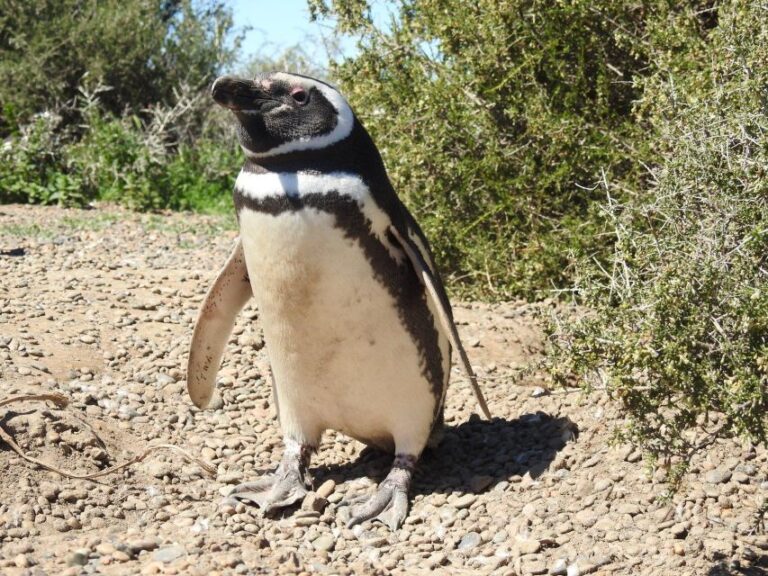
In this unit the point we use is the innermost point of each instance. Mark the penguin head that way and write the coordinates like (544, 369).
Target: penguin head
(280, 113)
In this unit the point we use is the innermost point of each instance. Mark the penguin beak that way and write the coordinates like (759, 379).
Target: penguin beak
(241, 95)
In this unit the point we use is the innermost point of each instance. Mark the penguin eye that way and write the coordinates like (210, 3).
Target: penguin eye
(300, 95)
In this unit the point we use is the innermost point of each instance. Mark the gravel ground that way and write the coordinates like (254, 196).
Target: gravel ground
(99, 305)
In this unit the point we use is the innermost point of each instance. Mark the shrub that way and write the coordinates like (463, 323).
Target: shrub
(33, 168)
(142, 49)
(182, 156)
(679, 325)
(497, 119)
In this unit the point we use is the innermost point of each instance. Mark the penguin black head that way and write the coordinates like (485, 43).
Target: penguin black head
(279, 113)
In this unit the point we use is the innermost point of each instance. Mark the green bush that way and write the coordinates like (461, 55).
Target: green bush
(164, 160)
(678, 327)
(142, 49)
(33, 167)
(497, 119)
(129, 122)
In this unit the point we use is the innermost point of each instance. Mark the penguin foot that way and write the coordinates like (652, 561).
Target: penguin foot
(284, 488)
(270, 493)
(389, 504)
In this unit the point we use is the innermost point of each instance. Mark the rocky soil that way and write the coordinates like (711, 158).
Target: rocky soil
(99, 305)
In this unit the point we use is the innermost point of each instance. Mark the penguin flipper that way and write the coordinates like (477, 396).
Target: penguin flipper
(224, 300)
(425, 273)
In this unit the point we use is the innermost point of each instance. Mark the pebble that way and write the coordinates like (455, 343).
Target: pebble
(469, 541)
(78, 557)
(536, 567)
(586, 518)
(314, 503)
(717, 476)
(464, 501)
(326, 489)
(519, 494)
(168, 554)
(528, 546)
(324, 542)
(717, 548)
(146, 544)
(559, 567)
(21, 561)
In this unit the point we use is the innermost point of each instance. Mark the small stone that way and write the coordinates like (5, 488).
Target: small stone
(78, 557)
(49, 491)
(740, 477)
(464, 501)
(374, 542)
(87, 339)
(326, 489)
(635, 456)
(469, 540)
(628, 508)
(528, 546)
(717, 476)
(137, 546)
(231, 477)
(717, 548)
(535, 568)
(169, 553)
(538, 392)
(679, 530)
(105, 548)
(120, 556)
(21, 561)
(324, 542)
(559, 567)
(314, 502)
(158, 469)
(586, 518)
(152, 568)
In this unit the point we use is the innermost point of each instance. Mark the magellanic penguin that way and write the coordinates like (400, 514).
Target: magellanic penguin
(357, 325)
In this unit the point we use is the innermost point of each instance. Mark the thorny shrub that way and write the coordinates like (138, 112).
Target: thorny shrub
(677, 327)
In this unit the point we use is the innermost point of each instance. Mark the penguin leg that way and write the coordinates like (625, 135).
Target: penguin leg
(284, 488)
(389, 504)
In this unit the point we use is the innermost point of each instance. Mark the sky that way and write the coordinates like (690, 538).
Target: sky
(276, 25)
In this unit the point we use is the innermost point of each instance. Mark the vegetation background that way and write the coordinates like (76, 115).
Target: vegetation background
(611, 155)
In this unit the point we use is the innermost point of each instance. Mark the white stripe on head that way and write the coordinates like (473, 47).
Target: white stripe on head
(345, 121)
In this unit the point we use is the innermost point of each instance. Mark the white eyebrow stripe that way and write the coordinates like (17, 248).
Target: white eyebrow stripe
(345, 123)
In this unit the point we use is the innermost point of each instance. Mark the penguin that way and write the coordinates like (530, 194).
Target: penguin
(357, 325)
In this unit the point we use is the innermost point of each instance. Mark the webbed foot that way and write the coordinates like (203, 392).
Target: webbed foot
(389, 504)
(282, 489)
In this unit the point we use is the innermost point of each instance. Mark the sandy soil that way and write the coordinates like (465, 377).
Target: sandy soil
(99, 305)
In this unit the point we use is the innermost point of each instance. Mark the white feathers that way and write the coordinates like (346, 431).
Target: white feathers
(272, 184)
(340, 354)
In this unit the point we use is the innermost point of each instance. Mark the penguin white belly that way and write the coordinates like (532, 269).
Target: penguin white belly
(341, 355)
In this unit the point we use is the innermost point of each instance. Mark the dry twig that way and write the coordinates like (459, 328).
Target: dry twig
(61, 402)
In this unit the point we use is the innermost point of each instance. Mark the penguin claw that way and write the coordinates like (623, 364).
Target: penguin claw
(270, 493)
(389, 505)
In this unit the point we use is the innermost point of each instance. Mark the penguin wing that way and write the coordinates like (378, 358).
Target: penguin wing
(229, 293)
(413, 243)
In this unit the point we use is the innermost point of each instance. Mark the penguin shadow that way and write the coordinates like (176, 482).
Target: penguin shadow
(473, 456)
